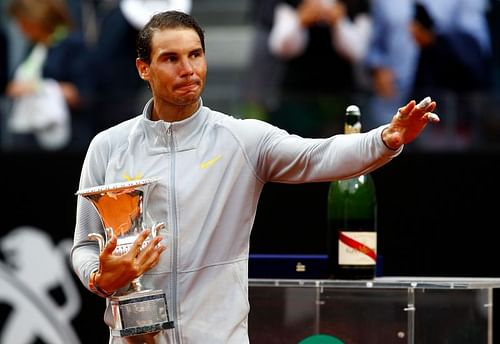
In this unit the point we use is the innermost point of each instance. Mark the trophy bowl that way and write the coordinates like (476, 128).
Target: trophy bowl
(137, 311)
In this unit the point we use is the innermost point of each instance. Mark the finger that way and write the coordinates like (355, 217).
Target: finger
(154, 245)
(427, 105)
(406, 110)
(432, 117)
(153, 258)
(431, 107)
(139, 241)
(151, 261)
(110, 246)
(424, 103)
(156, 241)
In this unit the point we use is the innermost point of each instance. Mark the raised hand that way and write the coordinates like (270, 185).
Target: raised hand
(409, 121)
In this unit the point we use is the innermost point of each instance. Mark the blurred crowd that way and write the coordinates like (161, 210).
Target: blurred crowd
(317, 56)
(74, 73)
(68, 67)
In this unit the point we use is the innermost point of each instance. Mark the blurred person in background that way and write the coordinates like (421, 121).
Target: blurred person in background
(494, 24)
(390, 59)
(50, 88)
(4, 71)
(321, 43)
(264, 71)
(399, 59)
(490, 128)
(4, 66)
(454, 65)
(118, 91)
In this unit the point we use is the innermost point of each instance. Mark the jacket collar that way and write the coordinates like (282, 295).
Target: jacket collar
(186, 133)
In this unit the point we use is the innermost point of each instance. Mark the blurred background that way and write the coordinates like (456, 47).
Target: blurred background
(67, 71)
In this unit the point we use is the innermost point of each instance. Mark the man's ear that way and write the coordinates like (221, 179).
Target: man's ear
(142, 69)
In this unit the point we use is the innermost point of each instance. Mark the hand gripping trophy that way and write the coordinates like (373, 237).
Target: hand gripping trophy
(137, 311)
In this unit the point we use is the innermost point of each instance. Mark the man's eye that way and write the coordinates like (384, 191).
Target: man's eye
(197, 53)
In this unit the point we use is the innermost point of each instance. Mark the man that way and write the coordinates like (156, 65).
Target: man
(211, 169)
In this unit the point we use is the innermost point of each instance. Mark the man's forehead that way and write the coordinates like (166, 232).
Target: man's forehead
(174, 39)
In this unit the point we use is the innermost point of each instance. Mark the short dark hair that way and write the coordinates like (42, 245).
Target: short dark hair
(161, 21)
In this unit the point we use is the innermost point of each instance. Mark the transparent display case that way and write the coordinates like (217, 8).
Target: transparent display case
(385, 310)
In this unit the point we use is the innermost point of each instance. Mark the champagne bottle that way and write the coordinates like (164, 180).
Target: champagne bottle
(352, 219)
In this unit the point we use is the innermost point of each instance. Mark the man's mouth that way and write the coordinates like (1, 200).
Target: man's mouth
(188, 86)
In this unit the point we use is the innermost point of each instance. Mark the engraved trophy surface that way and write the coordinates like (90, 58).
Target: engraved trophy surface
(137, 311)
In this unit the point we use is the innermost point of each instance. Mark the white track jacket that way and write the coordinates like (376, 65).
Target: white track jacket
(211, 168)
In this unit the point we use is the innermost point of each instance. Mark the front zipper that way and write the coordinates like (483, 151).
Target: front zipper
(175, 240)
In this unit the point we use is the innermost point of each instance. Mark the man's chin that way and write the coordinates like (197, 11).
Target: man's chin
(188, 97)
(188, 100)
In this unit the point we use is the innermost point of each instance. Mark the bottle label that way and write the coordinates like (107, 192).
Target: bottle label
(357, 248)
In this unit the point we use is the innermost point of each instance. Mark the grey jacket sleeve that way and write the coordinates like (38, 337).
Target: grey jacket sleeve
(291, 159)
(85, 253)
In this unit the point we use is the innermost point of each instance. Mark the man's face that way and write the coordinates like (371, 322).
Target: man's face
(178, 67)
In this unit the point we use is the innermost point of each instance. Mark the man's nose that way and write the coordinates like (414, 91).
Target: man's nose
(186, 67)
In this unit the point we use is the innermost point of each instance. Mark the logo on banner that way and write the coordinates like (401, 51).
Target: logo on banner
(33, 267)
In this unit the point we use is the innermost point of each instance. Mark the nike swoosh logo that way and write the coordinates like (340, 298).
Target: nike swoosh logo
(208, 163)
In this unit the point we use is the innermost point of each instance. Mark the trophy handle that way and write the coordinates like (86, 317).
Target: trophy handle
(156, 229)
(99, 238)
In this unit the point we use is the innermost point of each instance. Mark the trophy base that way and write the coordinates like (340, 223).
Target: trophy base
(139, 313)
(142, 330)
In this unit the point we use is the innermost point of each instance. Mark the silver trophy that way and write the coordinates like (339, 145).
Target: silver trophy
(136, 312)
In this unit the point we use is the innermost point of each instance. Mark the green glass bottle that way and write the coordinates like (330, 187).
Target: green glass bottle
(352, 220)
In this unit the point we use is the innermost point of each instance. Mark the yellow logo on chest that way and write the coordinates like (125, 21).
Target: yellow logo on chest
(136, 177)
(208, 163)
